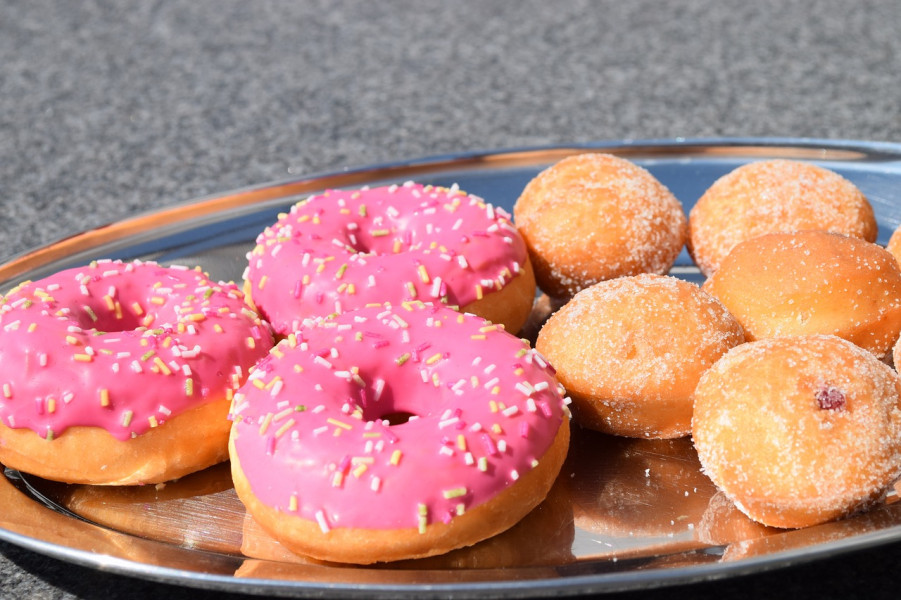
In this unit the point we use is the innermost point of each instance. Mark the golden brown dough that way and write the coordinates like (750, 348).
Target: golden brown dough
(812, 282)
(630, 351)
(799, 430)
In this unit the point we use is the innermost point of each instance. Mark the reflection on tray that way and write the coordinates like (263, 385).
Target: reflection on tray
(616, 498)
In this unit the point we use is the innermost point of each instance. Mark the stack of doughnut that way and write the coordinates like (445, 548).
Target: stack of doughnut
(396, 418)
(775, 366)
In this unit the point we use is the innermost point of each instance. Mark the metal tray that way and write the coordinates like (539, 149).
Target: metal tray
(624, 514)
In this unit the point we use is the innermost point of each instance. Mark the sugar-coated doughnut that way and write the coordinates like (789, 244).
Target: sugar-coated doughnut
(894, 244)
(341, 250)
(812, 282)
(630, 351)
(799, 430)
(122, 373)
(593, 217)
(389, 433)
(774, 196)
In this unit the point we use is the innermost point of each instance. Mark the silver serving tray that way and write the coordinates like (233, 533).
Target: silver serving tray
(624, 514)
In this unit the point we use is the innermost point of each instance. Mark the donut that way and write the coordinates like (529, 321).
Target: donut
(630, 351)
(812, 282)
(122, 373)
(894, 244)
(774, 196)
(593, 217)
(390, 433)
(799, 430)
(344, 249)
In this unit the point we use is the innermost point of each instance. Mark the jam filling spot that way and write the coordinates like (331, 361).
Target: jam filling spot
(830, 398)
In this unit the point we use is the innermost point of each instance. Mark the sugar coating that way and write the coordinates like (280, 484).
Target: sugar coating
(774, 196)
(592, 217)
(631, 350)
(765, 437)
(813, 282)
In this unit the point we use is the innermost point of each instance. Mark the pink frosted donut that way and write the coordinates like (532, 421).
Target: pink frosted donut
(325, 460)
(122, 373)
(342, 250)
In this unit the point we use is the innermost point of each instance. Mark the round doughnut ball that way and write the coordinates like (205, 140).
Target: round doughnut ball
(799, 430)
(774, 196)
(630, 351)
(593, 217)
(894, 245)
(812, 282)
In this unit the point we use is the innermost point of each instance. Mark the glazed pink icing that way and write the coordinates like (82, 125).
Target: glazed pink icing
(344, 249)
(310, 433)
(122, 346)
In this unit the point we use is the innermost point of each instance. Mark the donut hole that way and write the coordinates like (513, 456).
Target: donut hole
(397, 417)
(393, 238)
(99, 316)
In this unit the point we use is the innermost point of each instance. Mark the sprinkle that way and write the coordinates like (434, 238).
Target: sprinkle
(402, 358)
(423, 274)
(83, 357)
(104, 397)
(152, 420)
(510, 411)
(189, 387)
(264, 426)
(126, 418)
(7, 391)
(395, 458)
(423, 511)
(454, 493)
(163, 367)
(323, 524)
(338, 423)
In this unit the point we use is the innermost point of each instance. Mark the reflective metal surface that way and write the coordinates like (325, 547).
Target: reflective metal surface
(624, 514)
